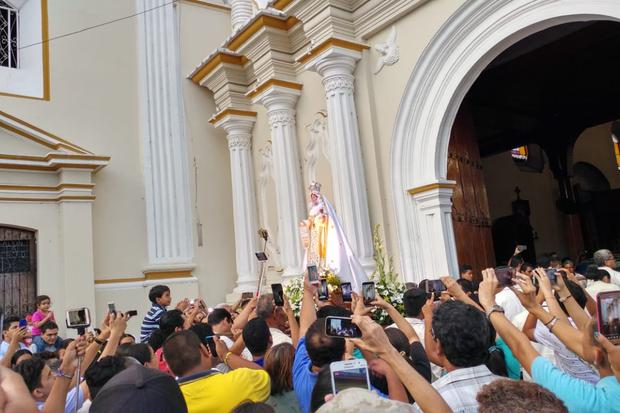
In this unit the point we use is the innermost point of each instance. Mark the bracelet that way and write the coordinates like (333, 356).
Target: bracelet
(552, 324)
(100, 342)
(60, 373)
(226, 357)
(562, 299)
(551, 321)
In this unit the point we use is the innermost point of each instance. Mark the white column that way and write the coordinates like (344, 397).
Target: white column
(241, 12)
(163, 134)
(239, 135)
(280, 104)
(350, 197)
(436, 247)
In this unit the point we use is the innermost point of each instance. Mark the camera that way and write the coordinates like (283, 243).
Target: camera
(78, 318)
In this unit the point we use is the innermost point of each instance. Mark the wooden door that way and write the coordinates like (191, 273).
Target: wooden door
(18, 271)
(470, 207)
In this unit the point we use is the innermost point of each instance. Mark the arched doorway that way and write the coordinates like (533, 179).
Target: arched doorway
(18, 270)
(475, 35)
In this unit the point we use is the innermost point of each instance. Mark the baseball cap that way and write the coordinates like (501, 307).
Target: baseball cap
(140, 389)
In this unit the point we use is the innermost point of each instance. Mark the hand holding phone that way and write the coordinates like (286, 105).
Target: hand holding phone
(313, 274)
(435, 286)
(111, 307)
(278, 294)
(323, 290)
(346, 292)
(608, 315)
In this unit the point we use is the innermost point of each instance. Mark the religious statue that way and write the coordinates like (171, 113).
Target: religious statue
(325, 242)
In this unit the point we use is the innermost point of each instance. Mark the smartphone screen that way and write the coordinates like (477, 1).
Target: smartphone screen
(261, 256)
(521, 248)
(79, 317)
(247, 296)
(368, 292)
(313, 274)
(23, 323)
(435, 286)
(111, 308)
(349, 374)
(608, 317)
(346, 291)
(278, 294)
(323, 291)
(341, 327)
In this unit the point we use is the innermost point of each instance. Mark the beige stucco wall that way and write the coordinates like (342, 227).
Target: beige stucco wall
(594, 146)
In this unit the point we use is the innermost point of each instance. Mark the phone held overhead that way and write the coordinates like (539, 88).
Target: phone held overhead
(349, 374)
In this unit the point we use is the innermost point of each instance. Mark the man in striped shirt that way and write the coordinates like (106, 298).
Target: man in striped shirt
(160, 299)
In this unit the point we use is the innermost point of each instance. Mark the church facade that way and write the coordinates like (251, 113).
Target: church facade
(151, 149)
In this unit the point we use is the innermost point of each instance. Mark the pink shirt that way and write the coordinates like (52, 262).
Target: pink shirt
(37, 316)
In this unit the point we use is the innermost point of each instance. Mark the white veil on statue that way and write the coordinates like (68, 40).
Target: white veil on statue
(339, 257)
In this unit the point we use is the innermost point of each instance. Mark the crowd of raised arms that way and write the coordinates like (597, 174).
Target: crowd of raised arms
(523, 339)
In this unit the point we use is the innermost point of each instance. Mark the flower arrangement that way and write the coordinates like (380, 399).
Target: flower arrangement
(294, 291)
(387, 284)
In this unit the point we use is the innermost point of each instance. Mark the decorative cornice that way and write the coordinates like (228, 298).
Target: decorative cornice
(339, 82)
(262, 20)
(208, 4)
(151, 275)
(228, 112)
(241, 141)
(329, 43)
(281, 4)
(210, 64)
(430, 187)
(58, 199)
(273, 82)
(53, 162)
(38, 188)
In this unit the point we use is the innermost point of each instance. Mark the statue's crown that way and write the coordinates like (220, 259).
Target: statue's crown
(315, 187)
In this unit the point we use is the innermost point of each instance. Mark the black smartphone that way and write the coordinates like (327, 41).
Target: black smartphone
(111, 308)
(211, 344)
(505, 276)
(278, 294)
(261, 256)
(132, 313)
(323, 291)
(341, 327)
(368, 292)
(435, 286)
(313, 274)
(608, 315)
(346, 292)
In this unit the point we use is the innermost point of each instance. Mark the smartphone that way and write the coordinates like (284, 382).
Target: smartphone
(341, 327)
(368, 292)
(349, 374)
(552, 275)
(608, 315)
(211, 344)
(78, 318)
(132, 313)
(23, 323)
(111, 307)
(278, 294)
(323, 290)
(313, 274)
(505, 276)
(261, 256)
(435, 286)
(247, 296)
(346, 292)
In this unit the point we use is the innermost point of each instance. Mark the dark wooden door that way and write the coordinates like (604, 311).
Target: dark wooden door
(18, 271)
(470, 207)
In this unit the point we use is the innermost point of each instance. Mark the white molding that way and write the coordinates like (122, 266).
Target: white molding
(376, 15)
(144, 284)
(241, 11)
(469, 40)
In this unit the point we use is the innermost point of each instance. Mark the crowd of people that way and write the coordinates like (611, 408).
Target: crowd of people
(526, 342)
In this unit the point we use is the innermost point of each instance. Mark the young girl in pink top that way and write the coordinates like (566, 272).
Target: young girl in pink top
(42, 315)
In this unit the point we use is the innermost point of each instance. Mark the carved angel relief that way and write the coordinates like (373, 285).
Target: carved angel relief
(389, 51)
(317, 143)
(264, 176)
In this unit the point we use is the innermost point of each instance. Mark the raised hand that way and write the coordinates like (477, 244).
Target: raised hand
(527, 295)
(487, 288)
(220, 347)
(380, 302)
(429, 307)
(374, 339)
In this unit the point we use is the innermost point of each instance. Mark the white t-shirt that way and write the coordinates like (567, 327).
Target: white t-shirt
(278, 337)
(229, 343)
(614, 276)
(510, 303)
(600, 286)
(565, 359)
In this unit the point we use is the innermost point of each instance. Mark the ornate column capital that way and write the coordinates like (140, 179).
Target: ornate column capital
(278, 98)
(335, 61)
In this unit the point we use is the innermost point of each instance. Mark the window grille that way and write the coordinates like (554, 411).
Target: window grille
(14, 256)
(8, 35)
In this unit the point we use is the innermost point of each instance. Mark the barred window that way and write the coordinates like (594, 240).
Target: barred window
(8, 35)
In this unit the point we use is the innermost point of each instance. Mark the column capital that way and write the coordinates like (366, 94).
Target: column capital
(335, 58)
(234, 123)
(278, 98)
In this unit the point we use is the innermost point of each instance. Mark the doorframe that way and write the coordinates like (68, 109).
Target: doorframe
(464, 46)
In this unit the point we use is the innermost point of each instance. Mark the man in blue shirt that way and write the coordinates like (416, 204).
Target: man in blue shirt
(314, 351)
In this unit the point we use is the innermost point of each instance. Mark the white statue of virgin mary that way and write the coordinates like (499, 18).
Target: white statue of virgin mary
(325, 242)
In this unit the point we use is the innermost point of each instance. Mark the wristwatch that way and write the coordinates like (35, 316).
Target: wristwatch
(495, 309)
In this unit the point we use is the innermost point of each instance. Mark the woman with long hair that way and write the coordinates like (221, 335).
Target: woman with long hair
(279, 365)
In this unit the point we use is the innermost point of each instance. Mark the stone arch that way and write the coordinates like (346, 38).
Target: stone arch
(471, 38)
